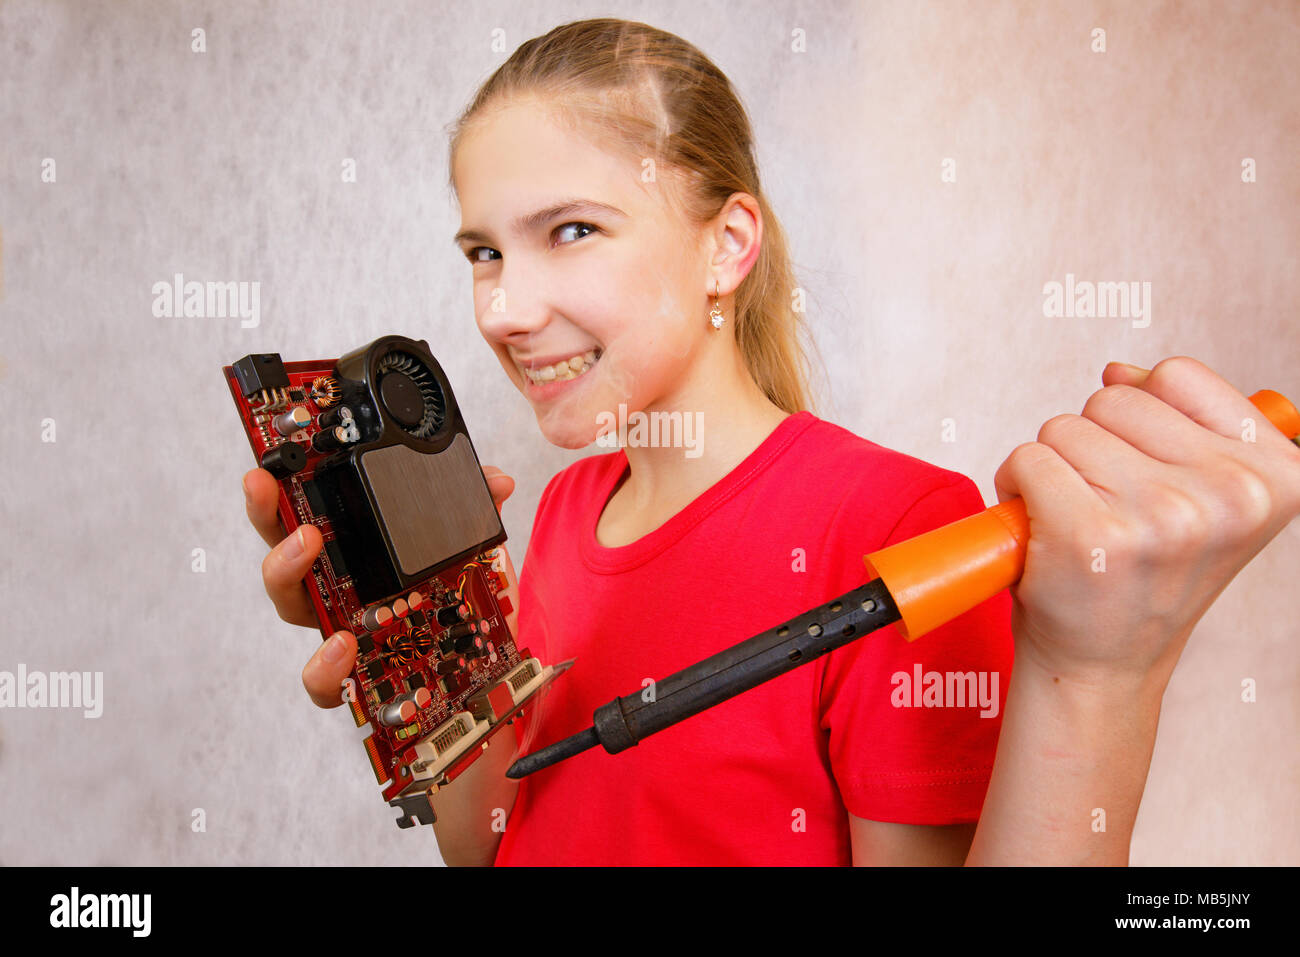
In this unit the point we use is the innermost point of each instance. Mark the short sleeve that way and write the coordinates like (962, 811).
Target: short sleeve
(912, 727)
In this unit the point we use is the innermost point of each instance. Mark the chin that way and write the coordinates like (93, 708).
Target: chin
(564, 432)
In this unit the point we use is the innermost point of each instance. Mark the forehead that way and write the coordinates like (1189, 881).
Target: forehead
(520, 157)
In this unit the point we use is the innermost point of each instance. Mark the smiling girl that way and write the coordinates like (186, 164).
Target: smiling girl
(624, 255)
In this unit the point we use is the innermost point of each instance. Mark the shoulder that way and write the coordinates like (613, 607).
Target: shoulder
(889, 483)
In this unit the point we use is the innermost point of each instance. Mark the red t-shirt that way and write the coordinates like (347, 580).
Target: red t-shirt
(770, 776)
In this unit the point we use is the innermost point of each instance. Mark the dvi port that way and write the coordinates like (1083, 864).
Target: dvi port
(440, 748)
(526, 678)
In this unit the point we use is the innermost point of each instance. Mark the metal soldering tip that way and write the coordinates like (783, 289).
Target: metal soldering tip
(553, 753)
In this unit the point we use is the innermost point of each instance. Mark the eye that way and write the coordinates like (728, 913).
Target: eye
(473, 257)
(587, 226)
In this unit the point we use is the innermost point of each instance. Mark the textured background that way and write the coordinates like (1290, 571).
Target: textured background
(925, 297)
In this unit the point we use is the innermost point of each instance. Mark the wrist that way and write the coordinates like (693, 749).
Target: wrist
(1092, 686)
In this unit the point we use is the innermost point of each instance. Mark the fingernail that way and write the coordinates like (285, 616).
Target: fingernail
(334, 649)
(247, 494)
(1129, 365)
(293, 546)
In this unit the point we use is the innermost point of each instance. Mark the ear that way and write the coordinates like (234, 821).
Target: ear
(738, 237)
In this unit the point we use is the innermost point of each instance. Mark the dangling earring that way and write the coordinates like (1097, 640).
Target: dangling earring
(715, 315)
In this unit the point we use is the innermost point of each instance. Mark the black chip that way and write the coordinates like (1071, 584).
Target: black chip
(416, 618)
(415, 680)
(260, 371)
(374, 670)
(385, 690)
(365, 644)
(314, 497)
(335, 554)
(296, 395)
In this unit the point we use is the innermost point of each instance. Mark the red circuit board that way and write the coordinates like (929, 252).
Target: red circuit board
(403, 646)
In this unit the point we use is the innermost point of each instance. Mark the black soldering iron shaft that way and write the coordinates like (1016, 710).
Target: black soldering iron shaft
(625, 721)
(553, 753)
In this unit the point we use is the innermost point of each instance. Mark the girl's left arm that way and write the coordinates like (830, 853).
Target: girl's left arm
(1141, 511)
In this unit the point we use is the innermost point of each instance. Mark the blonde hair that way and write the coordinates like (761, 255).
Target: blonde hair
(659, 96)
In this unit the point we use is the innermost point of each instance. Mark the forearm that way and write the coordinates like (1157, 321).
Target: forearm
(1069, 752)
(473, 808)
(467, 809)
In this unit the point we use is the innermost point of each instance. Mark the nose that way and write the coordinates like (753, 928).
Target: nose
(516, 306)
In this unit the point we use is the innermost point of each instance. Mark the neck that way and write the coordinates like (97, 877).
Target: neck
(730, 417)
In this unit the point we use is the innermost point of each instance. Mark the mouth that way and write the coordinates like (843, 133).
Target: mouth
(563, 370)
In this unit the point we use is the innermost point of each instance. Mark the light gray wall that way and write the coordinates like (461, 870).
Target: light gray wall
(926, 299)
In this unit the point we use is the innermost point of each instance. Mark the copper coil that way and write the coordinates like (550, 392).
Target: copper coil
(325, 391)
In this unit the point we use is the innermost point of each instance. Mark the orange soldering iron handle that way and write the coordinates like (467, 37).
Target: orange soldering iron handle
(937, 576)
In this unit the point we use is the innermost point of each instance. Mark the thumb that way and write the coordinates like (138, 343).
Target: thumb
(501, 485)
(1121, 373)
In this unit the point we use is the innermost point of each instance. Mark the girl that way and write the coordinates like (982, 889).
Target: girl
(626, 262)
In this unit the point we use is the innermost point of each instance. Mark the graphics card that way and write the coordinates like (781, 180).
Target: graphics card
(373, 451)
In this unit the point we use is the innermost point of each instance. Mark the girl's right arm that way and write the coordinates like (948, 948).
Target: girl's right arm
(483, 796)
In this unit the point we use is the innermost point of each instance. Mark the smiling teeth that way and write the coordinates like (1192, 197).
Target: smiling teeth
(566, 369)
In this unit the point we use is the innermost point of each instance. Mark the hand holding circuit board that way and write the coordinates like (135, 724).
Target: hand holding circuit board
(392, 547)
(289, 563)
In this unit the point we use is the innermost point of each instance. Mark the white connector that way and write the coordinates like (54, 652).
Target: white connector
(440, 748)
(526, 678)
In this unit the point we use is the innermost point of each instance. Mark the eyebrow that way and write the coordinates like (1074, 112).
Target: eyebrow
(531, 221)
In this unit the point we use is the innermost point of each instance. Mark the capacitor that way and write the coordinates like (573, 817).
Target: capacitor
(422, 697)
(328, 440)
(284, 460)
(376, 617)
(400, 608)
(453, 614)
(331, 418)
(471, 646)
(397, 713)
(296, 419)
(465, 628)
(449, 666)
(415, 600)
(484, 626)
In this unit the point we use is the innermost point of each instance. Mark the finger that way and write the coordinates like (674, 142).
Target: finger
(1204, 397)
(1123, 373)
(1154, 427)
(501, 485)
(325, 672)
(1113, 468)
(1047, 483)
(261, 494)
(283, 571)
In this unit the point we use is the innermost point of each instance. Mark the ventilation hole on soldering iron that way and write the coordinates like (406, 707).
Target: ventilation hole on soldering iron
(848, 630)
(782, 631)
(836, 606)
(814, 629)
(796, 655)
